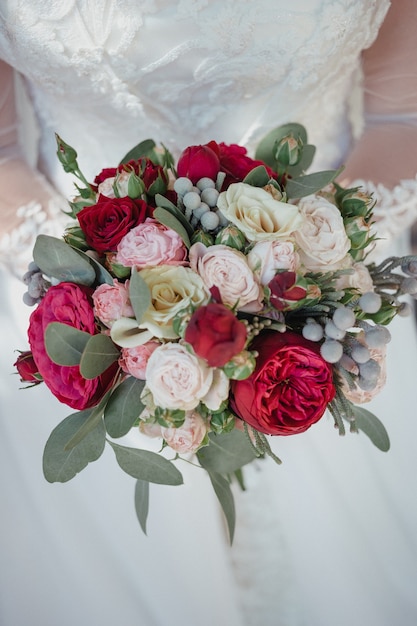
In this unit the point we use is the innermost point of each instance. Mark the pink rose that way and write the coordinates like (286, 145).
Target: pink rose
(187, 438)
(228, 270)
(69, 304)
(133, 361)
(266, 257)
(111, 302)
(151, 244)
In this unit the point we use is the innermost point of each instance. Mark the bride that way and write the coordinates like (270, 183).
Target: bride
(327, 538)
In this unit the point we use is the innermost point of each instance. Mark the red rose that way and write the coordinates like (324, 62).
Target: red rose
(285, 293)
(69, 304)
(290, 387)
(198, 162)
(27, 368)
(216, 334)
(235, 163)
(147, 171)
(105, 223)
(108, 172)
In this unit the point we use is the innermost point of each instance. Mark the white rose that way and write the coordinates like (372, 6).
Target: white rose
(359, 279)
(322, 238)
(257, 214)
(188, 437)
(266, 257)
(172, 288)
(176, 378)
(218, 392)
(106, 188)
(228, 270)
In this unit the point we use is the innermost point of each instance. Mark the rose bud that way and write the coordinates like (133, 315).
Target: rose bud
(27, 369)
(198, 162)
(216, 334)
(289, 150)
(231, 236)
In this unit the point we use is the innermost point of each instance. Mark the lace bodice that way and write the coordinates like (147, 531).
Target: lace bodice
(105, 73)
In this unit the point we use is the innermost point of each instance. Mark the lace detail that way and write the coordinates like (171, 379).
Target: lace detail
(395, 210)
(16, 247)
(187, 72)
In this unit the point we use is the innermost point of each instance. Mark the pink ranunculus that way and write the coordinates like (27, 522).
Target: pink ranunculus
(151, 244)
(111, 302)
(133, 361)
(70, 304)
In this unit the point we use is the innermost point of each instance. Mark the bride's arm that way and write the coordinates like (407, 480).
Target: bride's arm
(27, 201)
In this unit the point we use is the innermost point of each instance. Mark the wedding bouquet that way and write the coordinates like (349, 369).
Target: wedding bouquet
(209, 303)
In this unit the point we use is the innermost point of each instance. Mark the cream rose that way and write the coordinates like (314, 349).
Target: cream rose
(257, 214)
(322, 238)
(176, 378)
(106, 188)
(266, 257)
(359, 279)
(172, 288)
(218, 392)
(228, 270)
(187, 438)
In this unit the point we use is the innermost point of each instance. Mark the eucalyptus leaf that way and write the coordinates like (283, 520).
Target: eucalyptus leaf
(304, 163)
(258, 177)
(57, 259)
(309, 184)
(166, 218)
(102, 275)
(164, 203)
(226, 452)
(99, 353)
(368, 423)
(94, 418)
(61, 464)
(65, 344)
(225, 497)
(143, 149)
(142, 502)
(124, 407)
(139, 294)
(146, 465)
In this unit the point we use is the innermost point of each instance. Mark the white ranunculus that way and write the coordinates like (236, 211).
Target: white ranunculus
(257, 214)
(228, 270)
(187, 438)
(324, 245)
(176, 378)
(266, 257)
(172, 288)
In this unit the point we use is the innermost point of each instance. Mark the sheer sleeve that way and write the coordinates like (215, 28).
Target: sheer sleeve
(28, 203)
(384, 159)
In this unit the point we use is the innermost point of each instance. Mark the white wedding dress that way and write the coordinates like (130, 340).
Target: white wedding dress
(328, 538)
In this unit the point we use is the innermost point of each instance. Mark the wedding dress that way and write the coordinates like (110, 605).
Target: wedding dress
(330, 536)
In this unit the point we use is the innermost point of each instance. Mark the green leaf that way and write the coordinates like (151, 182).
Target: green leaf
(304, 163)
(142, 502)
(124, 407)
(102, 275)
(146, 465)
(94, 418)
(139, 294)
(225, 497)
(368, 423)
(56, 258)
(143, 149)
(311, 183)
(65, 344)
(266, 147)
(226, 452)
(166, 218)
(99, 353)
(258, 177)
(61, 464)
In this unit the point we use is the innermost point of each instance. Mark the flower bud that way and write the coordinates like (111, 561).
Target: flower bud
(240, 366)
(66, 155)
(198, 162)
(27, 369)
(289, 150)
(357, 230)
(222, 422)
(231, 236)
(75, 237)
(200, 236)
